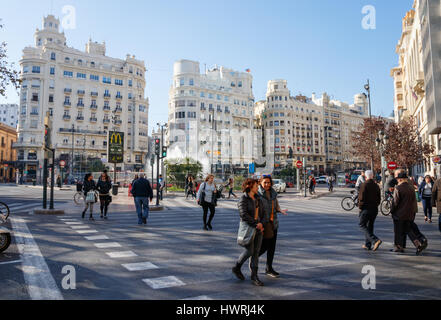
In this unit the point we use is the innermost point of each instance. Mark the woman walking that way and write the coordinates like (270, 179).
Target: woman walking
(88, 186)
(251, 211)
(425, 191)
(271, 208)
(190, 188)
(206, 198)
(104, 186)
(231, 188)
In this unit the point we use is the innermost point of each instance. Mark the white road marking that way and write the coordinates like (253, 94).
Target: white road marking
(101, 237)
(40, 283)
(140, 266)
(121, 254)
(164, 282)
(10, 262)
(198, 298)
(86, 231)
(107, 245)
(79, 227)
(72, 223)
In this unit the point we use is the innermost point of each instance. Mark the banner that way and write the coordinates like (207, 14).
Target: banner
(115, 149)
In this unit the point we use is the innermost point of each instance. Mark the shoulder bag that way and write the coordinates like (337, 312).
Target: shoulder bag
(202, 198)
(246, 232)
(90, 198)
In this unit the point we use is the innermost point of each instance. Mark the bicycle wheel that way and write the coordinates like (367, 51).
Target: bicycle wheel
(5, 241)
(4, 211)
(385, 207)
(347, 204)
(79, 198)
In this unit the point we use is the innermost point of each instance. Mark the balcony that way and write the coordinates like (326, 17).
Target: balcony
(227, 111)
(119, 109)
(118, 96)
(203, 108)
(66, 117)
(81, 92)
(106, 120)
(34, 113)
(80, 118)
(118, 122)
(80, 105)
(107, 95)
(106, 108)
(67, 90)
(93, 107)
(67, 103)
(93, 119)
(94, 94)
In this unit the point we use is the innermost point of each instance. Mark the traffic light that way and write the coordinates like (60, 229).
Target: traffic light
(164, 152)
(47, 132)
(157, 146)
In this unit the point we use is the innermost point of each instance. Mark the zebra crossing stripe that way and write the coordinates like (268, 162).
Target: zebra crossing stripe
(100, 237)
(140, 266)
(86, 231)
(121, 254)
(79, 227)
(163, 282)
(107, 245)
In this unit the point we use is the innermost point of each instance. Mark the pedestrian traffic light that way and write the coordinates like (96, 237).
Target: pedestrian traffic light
(157, 146)
(164, 152)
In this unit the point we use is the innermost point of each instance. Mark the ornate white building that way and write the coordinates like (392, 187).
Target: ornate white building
(86, 94)
(211, 117)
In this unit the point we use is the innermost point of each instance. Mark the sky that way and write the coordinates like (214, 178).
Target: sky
(316, 45)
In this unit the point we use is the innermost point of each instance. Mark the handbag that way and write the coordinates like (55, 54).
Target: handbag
(246, 232)
(202, 199)
(91, 197)
(268, 232)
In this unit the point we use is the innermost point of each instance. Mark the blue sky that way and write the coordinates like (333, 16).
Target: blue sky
(317, 45)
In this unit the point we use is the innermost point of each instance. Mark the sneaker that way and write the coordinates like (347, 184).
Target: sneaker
(426, 219)
(256, 281)
(272, 273)
(377, 245)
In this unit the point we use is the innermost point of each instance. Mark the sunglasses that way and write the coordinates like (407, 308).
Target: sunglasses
(267, 176)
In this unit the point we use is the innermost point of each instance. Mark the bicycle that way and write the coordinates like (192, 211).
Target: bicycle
(79, 198)
(349, 203)
(5, 234)
(386, 204)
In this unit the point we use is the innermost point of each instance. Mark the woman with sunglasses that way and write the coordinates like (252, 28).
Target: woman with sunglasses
(271, 208)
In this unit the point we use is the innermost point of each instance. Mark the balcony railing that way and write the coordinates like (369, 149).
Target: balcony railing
(93, 106)
(118, 109)
(106, 120)
(80, 105)
(93, 119)
(118, 96)
(107, 95)
(67, 104)
(80, 118)
(118, 122)
(106, 108)
(66, 117)
(67, 90)
(81, 92)
(94, 94)
(34, 113)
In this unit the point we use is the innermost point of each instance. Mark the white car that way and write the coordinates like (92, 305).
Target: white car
(279, 185)
(321, 180)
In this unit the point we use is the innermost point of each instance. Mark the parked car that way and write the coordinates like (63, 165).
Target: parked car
(279, 185)
(321, 180)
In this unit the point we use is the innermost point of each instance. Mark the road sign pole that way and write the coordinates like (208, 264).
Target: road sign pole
(45, 183)
(298, 179)
(51, 203)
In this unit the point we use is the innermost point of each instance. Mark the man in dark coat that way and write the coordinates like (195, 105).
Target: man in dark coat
(404, 208)
(142, 192)
(369, 200)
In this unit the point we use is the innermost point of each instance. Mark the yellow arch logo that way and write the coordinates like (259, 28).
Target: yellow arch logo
(115, 137)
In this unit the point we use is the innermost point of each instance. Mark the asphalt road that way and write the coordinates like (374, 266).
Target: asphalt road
(318, 254)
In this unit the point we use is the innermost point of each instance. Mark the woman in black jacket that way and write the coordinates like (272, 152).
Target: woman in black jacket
(104, 186)
(88, 185)
(251, 211)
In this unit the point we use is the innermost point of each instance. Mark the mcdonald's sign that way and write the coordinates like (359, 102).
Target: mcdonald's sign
(115, 147)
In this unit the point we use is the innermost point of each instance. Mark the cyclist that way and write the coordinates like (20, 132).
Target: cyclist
(390, 184)
(361, 179)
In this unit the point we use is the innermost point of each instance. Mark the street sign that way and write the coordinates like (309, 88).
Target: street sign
(392, 165)
(299, 164)
(115, 151)
(6, 165)
(62, 163)
(252, 168)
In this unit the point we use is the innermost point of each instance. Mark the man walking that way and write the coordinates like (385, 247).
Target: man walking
(161, 186)
(142, 191)
(361, 179)
(370, 199)
(404, 208)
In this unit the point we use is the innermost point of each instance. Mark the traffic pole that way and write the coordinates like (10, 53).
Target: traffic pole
(51, 204)
(45, 183)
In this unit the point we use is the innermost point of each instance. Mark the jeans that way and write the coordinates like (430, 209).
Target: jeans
(367, 220)
(252, 250)
(427, 205)
(142, 208)
(205, 207)
(231, 193)
(269, 246)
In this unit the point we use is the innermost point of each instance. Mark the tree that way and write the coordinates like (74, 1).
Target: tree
(405, 146)
(178, 169)
(8, 76)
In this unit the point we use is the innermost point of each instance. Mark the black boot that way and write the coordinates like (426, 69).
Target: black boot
(83, 214)
(255, 279)
(271, 272)
(237, 272)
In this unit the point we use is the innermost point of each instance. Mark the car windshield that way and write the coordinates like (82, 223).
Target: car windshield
(276, 181)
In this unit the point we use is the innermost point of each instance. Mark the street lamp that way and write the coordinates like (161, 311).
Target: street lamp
(367, 87)
(381, 143)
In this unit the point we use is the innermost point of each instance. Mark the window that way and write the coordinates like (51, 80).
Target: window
(68, 74)
(81, 75)
(94, 77)
(118, 82)
(35, 97)
(25, 69)
(181, 82)
(130, 82)
(107, 80)
(52, 72)
(239, 84)
(35, 69)
(202, 94)
(53, 56)
(51, 98)
(51, 84)
(191, 82)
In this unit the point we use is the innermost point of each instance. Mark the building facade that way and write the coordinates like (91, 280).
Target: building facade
(211, 117)
(318, 130)
(415, 77)
(8, 136)
(87, 94)
(9, 114)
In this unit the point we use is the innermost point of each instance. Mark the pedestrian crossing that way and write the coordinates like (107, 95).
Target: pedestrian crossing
(311, 238)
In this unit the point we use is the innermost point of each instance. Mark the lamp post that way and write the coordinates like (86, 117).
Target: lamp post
(367, 87)
(381, 143)
(72, 160)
